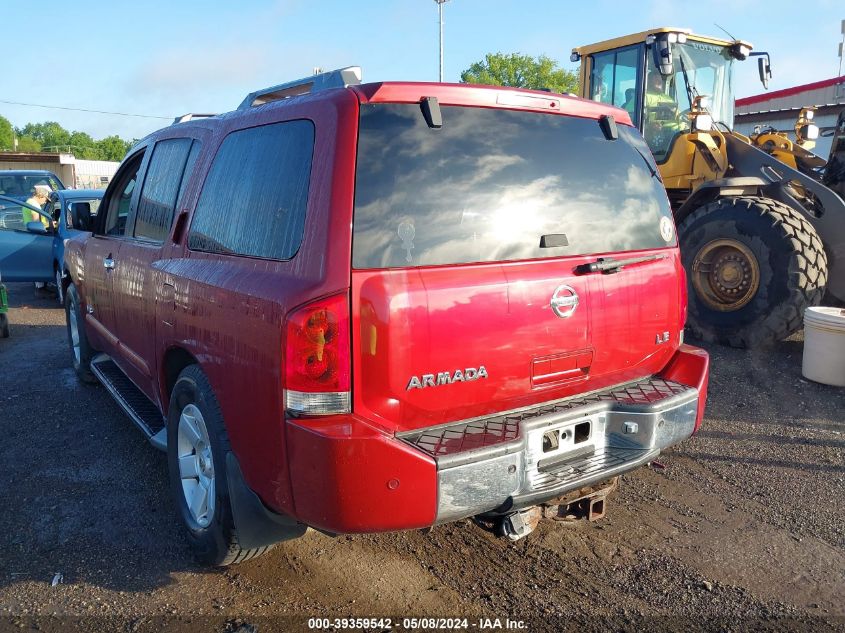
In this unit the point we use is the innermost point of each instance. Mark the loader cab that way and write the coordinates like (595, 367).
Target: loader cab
(669, 81)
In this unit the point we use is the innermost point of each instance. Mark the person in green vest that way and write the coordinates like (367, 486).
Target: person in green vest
(38, 199)
(40, 196)
(660, 117)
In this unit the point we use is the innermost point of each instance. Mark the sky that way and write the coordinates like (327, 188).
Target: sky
(165, 58)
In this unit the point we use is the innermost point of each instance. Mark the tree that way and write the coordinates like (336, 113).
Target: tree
(521, 71)
(28, 144)
(113, 148)
(50, 135)
(7, 135)
(82, 145)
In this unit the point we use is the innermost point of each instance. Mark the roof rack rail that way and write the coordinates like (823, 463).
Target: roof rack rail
(340, 78)
(191, 116)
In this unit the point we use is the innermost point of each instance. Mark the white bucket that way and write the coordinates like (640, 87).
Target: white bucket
(824, 345)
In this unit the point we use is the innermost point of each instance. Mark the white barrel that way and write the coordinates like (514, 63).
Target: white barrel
(824, 345)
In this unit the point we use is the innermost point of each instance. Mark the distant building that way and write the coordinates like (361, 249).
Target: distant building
(779, 109)
(74, 172)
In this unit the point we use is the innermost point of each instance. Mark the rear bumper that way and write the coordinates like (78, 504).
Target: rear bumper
(348, 476)
(555, 448)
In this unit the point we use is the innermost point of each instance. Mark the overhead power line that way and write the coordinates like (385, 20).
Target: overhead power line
(55, 107)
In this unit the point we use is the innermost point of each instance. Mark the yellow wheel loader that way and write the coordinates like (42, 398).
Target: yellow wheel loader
(760, 223)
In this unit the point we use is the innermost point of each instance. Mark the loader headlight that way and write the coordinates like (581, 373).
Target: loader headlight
(807, 132)
(740, 51)
(702, 123)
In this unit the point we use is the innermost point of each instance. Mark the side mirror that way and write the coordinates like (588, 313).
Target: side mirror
(36, 227)
(662, 50)
(764, 68)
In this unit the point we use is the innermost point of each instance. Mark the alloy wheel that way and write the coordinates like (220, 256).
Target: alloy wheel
(196, 465)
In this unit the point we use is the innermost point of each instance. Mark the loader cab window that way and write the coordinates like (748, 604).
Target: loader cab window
(700, 69)
(615, 79)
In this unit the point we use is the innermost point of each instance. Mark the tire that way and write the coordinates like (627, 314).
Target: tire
(60, 294)
(210, 528)
(766, 237)
(81, 351)
(4, 326)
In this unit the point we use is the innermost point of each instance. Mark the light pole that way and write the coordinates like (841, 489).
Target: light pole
(841, 47)
(440, 4)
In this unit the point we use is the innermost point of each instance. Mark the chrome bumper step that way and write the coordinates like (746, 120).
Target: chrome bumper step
(579, 471)
(132, 400)
(484, 433)
(504, 461)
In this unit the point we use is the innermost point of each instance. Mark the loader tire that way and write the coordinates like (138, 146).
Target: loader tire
(753, 266)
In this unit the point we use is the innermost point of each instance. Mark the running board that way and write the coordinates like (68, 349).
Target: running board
(132, 400)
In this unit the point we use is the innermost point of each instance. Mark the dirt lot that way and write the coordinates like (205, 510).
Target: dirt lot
(744, 528)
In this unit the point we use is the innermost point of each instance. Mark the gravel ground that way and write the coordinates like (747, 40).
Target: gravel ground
(743, 529)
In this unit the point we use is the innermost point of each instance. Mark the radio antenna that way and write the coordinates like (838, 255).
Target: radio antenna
(726, 31)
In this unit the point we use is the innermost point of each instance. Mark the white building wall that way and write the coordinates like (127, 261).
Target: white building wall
(93, 174)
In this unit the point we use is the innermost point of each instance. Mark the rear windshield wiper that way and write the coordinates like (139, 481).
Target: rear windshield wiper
(654, 172)
(608, 265)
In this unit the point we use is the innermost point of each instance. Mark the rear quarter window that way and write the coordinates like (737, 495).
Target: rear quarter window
(490, 183)
(254, 198)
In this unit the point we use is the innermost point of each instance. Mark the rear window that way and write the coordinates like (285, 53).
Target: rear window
(490, 183)
(22, 187)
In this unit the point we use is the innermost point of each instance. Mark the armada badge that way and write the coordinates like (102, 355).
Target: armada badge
(446, 378)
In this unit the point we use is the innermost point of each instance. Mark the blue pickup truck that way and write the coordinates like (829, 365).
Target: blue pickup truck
(34, 251)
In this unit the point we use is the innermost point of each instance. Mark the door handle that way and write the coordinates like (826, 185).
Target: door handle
(108, 263)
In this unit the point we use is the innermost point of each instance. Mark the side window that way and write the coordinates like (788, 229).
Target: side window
(254, 199)
(11, 217)
(189, 169)
(601, 77)
(116, 206)
(615, 77)
(161, 185)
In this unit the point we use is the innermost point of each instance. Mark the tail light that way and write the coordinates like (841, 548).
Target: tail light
(317, 357)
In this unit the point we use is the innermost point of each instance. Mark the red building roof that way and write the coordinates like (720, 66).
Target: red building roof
(788, 92)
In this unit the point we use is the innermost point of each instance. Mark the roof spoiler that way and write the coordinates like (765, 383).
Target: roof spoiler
(341, 78)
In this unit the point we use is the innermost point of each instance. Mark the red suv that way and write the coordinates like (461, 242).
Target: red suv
(371, 307)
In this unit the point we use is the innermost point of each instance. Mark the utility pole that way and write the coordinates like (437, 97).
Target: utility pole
(841, 47)
(440, 4)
